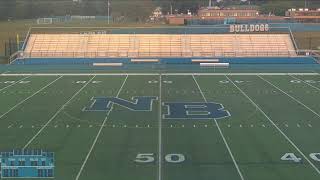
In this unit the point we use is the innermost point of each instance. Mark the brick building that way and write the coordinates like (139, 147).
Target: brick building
(303, 15)
(228, 12)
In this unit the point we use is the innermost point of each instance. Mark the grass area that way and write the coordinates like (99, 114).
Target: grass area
(270, 115)
(11, 29)
(3, 60)
(308, 40)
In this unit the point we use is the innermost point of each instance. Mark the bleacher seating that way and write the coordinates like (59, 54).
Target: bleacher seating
(158, 45)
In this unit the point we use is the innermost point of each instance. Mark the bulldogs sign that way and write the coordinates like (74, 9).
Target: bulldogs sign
(249, 28)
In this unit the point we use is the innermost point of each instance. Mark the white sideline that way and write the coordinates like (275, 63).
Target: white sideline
(98, 134)
(61, 108)
(160, 131)
(15, 106)
(295, 99)
(280, 131)
(148, 74)
(223, 138)
(14, 83)
(305, 82)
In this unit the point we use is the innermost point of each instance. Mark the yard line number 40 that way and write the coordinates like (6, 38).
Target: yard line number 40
(292, 157)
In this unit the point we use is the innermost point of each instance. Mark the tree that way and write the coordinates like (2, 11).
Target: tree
(7, 9)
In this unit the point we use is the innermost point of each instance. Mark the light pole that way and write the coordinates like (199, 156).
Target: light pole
(108, 12)
(305, 3)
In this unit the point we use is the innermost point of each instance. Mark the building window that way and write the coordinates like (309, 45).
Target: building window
(40, 173)
(5, 173)
(22, 163)
(34, 163)
(50, 173)
(15, 173)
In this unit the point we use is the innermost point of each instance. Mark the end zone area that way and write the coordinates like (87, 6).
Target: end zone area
(160, 126)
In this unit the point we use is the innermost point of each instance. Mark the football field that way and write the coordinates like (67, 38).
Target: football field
(167, 126)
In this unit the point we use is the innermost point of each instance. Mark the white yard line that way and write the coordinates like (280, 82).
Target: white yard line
(295, 99)
(160, 132)
(98, 134)
(305, 82)
(279, 130)
(15, 106)
(222, 136)
(55, 115)
(14, 83)
(148, 74)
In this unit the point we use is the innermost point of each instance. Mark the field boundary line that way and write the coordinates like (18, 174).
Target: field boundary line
(160, 130)
(99, 132)
(305, 82)
(148, 74)
(55, 115)
(279, 130)
(221, 134)
(293, 98)
(14, 83)
(44, 87)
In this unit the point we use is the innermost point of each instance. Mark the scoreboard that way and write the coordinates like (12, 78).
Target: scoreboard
(27, 164)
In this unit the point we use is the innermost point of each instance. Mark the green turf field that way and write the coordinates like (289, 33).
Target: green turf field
(270, 115)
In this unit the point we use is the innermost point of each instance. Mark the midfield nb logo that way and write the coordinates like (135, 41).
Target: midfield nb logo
(175, 110)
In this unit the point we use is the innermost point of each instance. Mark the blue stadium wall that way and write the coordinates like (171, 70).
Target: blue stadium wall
(238, 60)
(209, 29)
(220, 28)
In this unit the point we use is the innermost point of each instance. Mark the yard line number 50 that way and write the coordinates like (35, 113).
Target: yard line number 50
(149, 157)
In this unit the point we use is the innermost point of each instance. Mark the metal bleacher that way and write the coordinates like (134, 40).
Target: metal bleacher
(158, 45)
